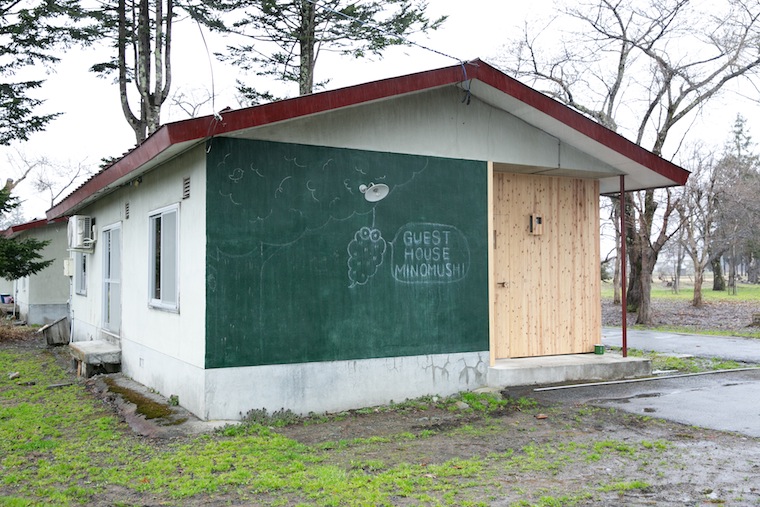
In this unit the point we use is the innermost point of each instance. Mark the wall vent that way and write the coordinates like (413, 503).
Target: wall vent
(186, 188)
(126, 210)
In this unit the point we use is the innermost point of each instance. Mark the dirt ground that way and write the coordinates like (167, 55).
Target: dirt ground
(699, 467)
(552, 447)
(722, 315)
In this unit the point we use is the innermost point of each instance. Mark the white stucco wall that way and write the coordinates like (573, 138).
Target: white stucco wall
(164, 350)
(436, 123)
(43, 297)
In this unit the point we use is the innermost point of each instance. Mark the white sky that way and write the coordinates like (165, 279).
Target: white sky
(94, 127)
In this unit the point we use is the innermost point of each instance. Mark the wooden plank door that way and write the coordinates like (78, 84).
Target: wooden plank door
(545, 275)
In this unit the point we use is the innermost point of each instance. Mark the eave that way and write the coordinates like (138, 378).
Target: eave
(642, 169)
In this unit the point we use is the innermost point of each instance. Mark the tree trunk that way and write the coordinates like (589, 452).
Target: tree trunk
(680, 256)
(719, 283)
(699, 271)
(648, 260)
(644, 316)
(151, 93)
(616, 282)
(307, 44)
(753, 272)
(143, 72)
(633, 294)
(133, 121)
(643, 256)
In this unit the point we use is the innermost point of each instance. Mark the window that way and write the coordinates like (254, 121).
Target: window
(112, 279)
(164, 258)
(80, 273)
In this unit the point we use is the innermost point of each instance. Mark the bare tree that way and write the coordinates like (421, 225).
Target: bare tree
(46, 175)
(190, 102)
(57, 179)
(22, 165)
(737, 208)
(641, 69)
(699, 210)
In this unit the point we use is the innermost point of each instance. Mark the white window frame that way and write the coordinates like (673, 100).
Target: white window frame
(80, 273)
(161, 294)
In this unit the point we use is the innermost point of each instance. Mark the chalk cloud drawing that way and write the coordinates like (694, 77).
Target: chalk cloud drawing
(365, 255)
(429, 253)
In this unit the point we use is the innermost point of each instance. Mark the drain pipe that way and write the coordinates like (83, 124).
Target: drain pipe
(623, 275)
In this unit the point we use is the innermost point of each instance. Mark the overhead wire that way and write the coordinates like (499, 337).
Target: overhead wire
(468, 95)
(217, 115)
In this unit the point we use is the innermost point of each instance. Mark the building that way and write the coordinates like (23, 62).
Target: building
(42, 298)
(351, 247)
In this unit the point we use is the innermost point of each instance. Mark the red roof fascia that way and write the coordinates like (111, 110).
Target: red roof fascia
(138, 156)
(313, 104)
(579, 122)
(34, 224)
(196, 129)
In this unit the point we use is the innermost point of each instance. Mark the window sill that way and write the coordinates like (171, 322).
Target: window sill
(157, 305)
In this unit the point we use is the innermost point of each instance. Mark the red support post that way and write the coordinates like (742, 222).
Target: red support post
(623, 275)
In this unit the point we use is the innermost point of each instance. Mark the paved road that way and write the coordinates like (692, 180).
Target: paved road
(721, 401)
(724, 401)
(723, 347)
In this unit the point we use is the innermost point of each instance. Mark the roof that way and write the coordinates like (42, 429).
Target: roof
(15, 230)
(642, 168)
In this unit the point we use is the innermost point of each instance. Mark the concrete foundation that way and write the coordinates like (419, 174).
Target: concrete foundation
(334, 386)
(229, 393)
(570, 368)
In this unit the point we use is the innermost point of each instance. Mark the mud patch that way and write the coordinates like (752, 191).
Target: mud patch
(146, 412)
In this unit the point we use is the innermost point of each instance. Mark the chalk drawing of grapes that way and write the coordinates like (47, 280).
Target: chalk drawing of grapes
(365, 255)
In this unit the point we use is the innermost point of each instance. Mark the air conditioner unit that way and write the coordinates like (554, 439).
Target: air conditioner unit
(80, 232)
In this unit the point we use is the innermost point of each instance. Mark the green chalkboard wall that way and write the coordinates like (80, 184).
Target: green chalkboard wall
(301, 267)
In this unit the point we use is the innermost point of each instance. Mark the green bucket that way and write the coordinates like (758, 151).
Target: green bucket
(598, 349)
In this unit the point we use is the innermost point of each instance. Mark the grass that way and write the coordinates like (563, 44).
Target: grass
(685, 364)
(744, 292)
(624, 486)
(62, 447)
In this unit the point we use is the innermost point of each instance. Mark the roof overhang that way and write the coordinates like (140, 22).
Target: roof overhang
(15, 230)
(640, 168)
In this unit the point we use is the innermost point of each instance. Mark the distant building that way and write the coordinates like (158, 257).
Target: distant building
(43, 297)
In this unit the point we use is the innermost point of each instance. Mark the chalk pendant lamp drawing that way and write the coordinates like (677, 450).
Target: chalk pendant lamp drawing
(374, 192)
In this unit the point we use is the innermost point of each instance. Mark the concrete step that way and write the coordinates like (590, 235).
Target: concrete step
(567, 368)
(96, 356)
